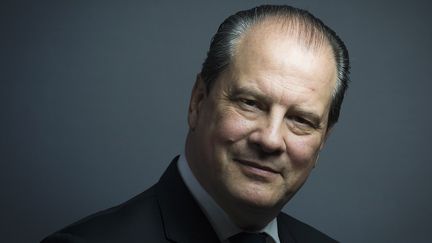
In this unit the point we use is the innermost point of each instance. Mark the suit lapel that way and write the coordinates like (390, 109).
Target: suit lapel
(285, 236)
(184, 222)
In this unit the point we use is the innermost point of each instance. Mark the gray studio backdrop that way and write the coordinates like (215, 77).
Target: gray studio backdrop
(94, 95)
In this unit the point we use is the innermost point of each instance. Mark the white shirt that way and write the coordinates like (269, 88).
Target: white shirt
(217, 217)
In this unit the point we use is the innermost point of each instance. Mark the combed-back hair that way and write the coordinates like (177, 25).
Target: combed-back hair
(310, 30)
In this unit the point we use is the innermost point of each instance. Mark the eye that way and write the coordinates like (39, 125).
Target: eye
(299, 119)
(249, 102)
(302, 121)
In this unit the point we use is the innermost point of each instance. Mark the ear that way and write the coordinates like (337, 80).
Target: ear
(199, 93)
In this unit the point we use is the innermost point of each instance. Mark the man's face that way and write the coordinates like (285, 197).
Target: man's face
(257, 134)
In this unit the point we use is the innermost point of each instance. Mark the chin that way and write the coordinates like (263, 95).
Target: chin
(257, 197)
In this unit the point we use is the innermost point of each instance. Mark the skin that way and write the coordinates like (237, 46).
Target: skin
(256, 136)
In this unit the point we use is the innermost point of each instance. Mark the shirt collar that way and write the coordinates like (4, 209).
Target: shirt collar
(220, 221)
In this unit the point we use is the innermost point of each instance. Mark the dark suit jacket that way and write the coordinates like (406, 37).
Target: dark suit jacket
(166, 212)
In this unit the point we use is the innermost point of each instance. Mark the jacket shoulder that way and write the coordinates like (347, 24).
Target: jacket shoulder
(300, 231)
(137, 219)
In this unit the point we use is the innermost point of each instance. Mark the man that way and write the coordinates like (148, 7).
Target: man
(261, 109)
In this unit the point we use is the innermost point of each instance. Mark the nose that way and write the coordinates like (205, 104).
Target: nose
(268, 136)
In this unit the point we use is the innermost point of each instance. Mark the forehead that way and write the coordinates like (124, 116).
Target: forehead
(271, 49)
(285, 47)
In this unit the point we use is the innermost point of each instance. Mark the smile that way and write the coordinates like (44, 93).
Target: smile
(257, 170)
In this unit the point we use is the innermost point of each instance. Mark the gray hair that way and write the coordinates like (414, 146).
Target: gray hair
(309, 28)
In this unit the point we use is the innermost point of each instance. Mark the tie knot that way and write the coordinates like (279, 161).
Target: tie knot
(245, 237)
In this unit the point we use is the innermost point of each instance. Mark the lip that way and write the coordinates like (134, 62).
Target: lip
(256, 169)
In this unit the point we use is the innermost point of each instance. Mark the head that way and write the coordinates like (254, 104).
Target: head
(262, 107)
(231, 31)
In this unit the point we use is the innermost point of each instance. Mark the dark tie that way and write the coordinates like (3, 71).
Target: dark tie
(248, 238)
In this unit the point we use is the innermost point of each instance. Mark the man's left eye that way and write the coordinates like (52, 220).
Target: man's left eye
(249, 102)
(302, 121)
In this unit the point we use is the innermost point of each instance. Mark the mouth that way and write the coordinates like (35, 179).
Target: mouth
(257, 170)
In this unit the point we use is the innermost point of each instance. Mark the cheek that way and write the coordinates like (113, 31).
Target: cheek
(303, 150)
(232, 127)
